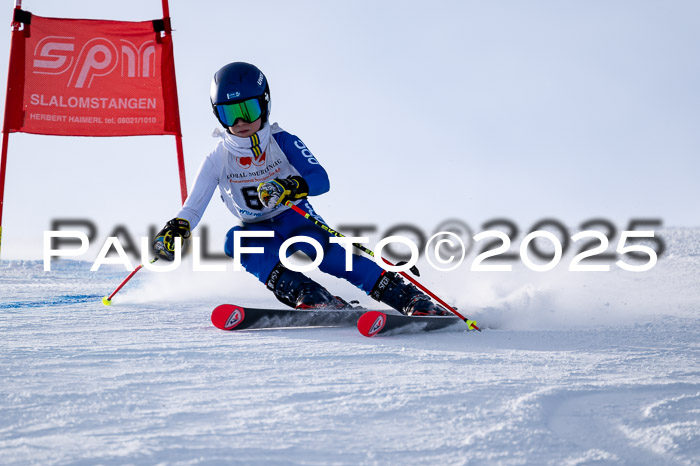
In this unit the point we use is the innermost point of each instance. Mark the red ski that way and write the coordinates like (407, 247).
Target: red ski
(232, 317)
(372, 323)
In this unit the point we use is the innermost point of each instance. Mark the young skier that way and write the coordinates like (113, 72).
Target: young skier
(258, 167)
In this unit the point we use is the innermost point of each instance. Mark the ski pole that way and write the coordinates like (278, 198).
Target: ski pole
(471, 324)
(107, 300)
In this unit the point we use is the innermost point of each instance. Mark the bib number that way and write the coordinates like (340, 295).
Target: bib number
(250, 196)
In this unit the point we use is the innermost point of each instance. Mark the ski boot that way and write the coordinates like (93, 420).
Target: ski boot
(300, 292)
(404, 297)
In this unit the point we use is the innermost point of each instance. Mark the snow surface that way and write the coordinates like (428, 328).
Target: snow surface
(572, 368)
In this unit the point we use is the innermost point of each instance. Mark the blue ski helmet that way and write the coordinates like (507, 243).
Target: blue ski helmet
(245, 86)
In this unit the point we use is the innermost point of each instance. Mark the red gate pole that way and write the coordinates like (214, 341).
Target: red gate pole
(178, 136)
(5, 126)
(181, 167)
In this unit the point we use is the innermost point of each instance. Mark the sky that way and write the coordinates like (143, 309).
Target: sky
(420, 112)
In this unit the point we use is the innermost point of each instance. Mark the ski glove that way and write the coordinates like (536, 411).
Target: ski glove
(278, 191)
(164, 243)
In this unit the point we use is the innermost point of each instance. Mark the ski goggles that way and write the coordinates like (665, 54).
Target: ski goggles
(249, 110)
